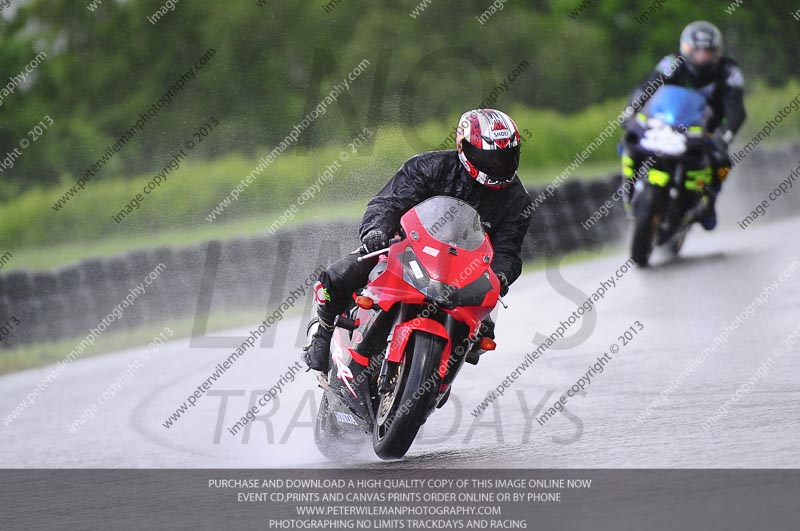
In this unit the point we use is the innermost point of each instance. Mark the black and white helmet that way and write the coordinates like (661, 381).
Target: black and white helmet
(701, 46)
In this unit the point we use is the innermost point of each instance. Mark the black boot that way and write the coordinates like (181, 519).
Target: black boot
(708, 217)
(317, 353)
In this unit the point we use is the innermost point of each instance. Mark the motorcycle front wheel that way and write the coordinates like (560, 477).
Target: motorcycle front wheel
(645, 228)
(402, 411)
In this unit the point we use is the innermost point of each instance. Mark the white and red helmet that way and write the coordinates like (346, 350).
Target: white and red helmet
(488, 145)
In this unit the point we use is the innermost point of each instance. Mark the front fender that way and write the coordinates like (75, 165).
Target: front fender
(402, 332)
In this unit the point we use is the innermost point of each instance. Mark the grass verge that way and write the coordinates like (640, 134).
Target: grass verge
(41, 354)
(177, 212)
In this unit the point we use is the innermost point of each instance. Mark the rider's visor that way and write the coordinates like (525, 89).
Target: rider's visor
(498, 164)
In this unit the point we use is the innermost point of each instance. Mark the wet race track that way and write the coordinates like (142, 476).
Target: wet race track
(704, 377)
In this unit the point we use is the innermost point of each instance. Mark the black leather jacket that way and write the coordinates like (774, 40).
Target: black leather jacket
(723, 87)
(434, 173)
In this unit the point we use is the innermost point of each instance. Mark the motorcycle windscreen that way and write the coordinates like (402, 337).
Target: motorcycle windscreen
(452, 222)
(677, 106)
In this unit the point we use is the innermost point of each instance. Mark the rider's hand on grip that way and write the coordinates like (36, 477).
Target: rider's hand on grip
(503, 284)
(375, 240)
(719, 139)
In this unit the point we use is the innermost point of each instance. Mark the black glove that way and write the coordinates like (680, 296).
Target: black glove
(720, 156)
(720, 141)
(487, 327)
(375, 240)
(503, 284)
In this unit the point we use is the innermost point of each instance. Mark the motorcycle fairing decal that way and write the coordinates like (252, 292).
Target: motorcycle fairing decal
(402, 333)
(343, 372)
(431, 251)
(358, 358)
(697, 131)
(658, 177)
(661, 138)
(696, 180)
(347, 418)
(627, 166)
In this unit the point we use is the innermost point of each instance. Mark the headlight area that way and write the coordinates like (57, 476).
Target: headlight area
(440, 293)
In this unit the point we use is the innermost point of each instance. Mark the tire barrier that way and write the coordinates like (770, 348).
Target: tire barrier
(257, 273)
(238, 274)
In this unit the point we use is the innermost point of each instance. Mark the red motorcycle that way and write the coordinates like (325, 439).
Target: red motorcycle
(397, 349)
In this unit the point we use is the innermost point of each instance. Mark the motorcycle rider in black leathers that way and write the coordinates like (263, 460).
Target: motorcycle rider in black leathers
(701, 66)
(481, 171)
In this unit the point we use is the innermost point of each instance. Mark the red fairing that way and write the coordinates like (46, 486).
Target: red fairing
(358, 358)
(402, 333)
(390, 288)
(459, 270)
(456, 270)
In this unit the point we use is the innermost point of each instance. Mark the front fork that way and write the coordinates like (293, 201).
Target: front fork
(389, 369)
(665, 201)
(446, 328)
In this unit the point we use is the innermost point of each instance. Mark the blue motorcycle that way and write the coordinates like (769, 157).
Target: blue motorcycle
(670, 135)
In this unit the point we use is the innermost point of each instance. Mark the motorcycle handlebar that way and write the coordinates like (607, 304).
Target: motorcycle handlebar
(363, 249)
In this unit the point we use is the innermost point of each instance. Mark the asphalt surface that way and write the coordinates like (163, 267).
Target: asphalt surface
(682, 305)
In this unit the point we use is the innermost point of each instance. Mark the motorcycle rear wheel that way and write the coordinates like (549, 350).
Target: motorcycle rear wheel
(333, 442)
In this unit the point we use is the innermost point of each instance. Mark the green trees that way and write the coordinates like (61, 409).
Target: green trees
(107, 64)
